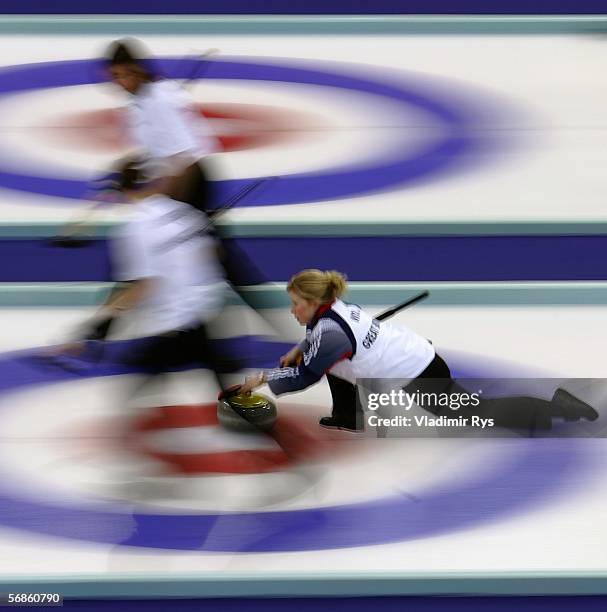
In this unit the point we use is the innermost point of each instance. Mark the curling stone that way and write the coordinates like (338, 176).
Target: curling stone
(246, 413)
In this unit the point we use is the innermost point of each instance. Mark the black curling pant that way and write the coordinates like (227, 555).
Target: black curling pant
(520, 412)
(239, 268)
(180, 348)
(346, 409)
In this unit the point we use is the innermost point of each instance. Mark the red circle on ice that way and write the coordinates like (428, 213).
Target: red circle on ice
(237, 126)
(291, 440)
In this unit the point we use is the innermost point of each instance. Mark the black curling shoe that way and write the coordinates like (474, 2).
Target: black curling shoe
(333, 423)
(571, 408)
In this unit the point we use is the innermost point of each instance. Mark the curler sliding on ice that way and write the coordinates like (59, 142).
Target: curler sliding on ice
(345, 343)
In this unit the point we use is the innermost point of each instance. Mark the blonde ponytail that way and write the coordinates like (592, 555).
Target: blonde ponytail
(315, 284)
(336, 284)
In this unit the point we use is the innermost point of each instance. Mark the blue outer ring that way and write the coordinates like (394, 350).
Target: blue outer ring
(456, 123)
(532, 471)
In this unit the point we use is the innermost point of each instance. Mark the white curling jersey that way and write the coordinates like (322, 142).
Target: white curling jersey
(380, 349)
(163, 122)
(166, 241)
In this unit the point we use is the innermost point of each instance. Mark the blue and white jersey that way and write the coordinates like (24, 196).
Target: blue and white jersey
(345, 341)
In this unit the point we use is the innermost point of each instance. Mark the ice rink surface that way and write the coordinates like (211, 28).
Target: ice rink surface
(360, 130)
